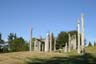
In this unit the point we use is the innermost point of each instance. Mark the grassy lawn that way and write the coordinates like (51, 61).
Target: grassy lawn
(49, 58)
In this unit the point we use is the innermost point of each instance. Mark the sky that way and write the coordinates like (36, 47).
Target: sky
(16, 16)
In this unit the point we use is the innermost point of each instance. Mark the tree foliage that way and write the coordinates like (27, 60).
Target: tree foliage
(18, 44)
(63, 38)
(3, 47)
(94, 43)
(90, 44)
(1, 40)
(11, 38)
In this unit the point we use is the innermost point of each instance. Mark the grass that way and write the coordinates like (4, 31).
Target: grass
(49, 58)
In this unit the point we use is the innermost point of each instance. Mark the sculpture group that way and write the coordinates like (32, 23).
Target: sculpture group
(47, 45)
(41, 44)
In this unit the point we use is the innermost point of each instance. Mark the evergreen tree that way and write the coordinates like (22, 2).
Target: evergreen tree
(1, 40)
(61, 39)
(90, 44)
(11, 37)
(94, 43)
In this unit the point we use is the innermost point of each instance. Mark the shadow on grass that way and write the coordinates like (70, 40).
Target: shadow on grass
(80, 59)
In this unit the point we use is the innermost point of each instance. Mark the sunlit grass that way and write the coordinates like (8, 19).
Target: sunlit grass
(43, 57)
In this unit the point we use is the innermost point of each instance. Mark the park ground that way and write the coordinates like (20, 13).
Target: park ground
(49, 58)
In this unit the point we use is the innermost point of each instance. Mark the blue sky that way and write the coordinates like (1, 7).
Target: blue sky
(17, 16)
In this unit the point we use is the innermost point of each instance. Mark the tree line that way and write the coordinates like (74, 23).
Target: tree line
(15, 44)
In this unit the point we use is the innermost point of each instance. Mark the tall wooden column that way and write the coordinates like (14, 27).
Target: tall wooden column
(30, 45)
(82, 34)
(78, 25)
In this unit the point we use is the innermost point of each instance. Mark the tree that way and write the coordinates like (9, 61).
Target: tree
(19, 44)
(90, 44)
(3, 46)
(11, 37)
(1, 40)
(94, 43)
(5, 49)
(61, 39)
(0, 36)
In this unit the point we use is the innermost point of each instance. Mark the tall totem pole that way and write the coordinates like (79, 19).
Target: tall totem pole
(30, 45)
(78, 29)
(82, 34)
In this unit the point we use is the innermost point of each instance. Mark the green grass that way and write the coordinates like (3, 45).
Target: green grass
(68, 58)
(49, 58)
